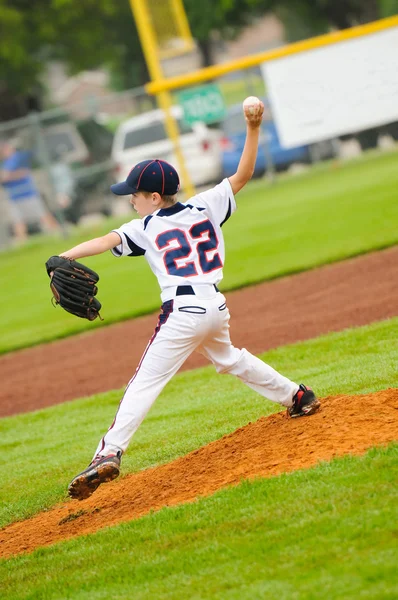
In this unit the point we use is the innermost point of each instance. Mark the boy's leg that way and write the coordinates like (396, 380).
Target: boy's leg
(173, 341)
(20, 231)
(255, 373)
(49, 222)
(19, 228)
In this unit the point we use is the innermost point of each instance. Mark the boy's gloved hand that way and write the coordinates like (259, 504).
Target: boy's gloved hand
(74, 287)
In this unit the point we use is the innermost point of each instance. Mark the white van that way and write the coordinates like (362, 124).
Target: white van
(144, 136)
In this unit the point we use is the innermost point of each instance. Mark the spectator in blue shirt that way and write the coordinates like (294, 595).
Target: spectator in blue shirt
(25, 202)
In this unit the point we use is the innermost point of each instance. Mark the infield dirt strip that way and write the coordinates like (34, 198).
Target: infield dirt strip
(350, 293)
(268, 447)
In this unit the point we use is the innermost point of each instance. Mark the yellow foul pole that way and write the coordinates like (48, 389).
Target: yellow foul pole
(150, 48)
(182, 23)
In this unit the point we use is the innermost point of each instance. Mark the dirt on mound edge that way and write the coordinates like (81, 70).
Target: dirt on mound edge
(268, 447)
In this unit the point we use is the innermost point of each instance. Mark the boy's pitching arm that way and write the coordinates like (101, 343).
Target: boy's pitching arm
(247, 161)
(93, 247)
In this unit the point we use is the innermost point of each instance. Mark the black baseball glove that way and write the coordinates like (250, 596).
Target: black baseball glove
(74, 287)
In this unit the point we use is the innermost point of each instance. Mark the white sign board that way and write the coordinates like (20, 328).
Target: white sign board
(336, 89)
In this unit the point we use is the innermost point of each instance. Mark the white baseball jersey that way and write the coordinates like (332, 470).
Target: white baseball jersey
(183, 243)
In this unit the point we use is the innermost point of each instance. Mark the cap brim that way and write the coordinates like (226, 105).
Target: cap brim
(122, 189)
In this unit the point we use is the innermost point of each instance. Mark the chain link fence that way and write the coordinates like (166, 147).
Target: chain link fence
(78, 150)
(71, 155)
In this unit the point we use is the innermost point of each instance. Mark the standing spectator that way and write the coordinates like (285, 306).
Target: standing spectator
(5, 233)
(25, 202)
(62, 179)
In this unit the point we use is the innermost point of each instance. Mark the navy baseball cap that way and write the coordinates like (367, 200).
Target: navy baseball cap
(152, 175)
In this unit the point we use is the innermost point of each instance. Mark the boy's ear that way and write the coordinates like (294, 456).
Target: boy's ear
(156, 198)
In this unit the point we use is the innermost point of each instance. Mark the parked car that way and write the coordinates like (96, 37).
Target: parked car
(234, 134)
(144, 136)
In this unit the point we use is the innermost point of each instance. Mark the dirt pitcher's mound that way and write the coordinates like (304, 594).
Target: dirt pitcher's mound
(271, 445)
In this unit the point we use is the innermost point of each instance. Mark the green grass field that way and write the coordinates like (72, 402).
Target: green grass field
(326, 532)
(326, 214)
(323, 533)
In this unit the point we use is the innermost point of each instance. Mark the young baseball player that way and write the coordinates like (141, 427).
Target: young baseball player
(184, 246)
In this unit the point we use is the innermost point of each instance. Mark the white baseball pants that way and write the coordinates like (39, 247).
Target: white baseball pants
(188, 323)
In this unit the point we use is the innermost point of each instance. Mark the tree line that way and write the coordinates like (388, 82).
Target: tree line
(89, 34)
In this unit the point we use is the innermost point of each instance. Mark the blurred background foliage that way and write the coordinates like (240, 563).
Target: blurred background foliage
(102, 33)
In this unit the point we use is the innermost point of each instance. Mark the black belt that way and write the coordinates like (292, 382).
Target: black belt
(187, 290)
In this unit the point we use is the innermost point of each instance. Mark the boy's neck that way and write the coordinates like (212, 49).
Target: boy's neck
(164, 205)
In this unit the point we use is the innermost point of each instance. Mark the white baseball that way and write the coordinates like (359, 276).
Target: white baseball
(251, 105)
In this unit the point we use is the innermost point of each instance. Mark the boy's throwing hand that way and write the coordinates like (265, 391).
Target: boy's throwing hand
(253, 109)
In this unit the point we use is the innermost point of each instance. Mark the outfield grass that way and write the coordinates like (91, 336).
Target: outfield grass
(323, 533)
(47, 448)
(321, 216)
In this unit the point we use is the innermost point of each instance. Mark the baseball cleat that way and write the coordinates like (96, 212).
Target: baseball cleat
(305, 403)
(101, 470)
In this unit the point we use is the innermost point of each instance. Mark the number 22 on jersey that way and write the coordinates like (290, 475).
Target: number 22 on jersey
(203, 231)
